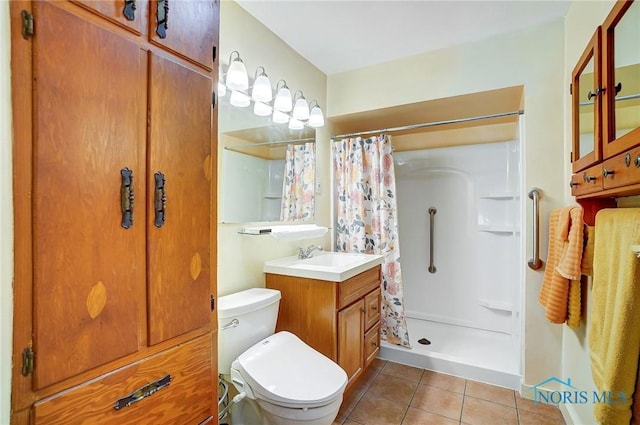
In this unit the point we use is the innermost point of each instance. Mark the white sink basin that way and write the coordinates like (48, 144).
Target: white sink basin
(332, 266)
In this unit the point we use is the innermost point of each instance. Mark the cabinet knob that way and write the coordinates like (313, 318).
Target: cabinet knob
(606, 172)
(596, 92)
(637, 161)
(573, 184)
(587, 178)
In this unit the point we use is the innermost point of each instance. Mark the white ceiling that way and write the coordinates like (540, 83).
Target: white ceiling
(338, 36)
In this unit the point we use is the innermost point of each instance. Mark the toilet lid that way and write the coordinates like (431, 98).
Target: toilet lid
(284, 370)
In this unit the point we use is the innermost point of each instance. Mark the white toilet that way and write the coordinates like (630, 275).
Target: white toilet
(286, 381)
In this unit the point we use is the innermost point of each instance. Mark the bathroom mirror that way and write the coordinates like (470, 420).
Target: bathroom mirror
(254, 165)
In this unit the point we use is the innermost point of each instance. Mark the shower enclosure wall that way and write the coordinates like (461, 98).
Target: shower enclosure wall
(466, 309)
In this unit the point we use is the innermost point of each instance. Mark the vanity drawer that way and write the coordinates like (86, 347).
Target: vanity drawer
(187, 399)
(622, 170)
(372, 308)
(358, 286)
(371, 344)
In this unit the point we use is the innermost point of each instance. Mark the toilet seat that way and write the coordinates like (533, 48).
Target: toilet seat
(284, 371)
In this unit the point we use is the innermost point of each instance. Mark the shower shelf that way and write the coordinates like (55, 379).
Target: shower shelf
(500, 195)
(498, 229)
(495, 305)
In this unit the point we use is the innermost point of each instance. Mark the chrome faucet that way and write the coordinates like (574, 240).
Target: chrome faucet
(302, 254)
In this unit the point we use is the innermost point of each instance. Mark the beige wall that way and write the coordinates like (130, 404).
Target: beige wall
(240, 257)
(581, 21)
(533, 58)
(6, 217)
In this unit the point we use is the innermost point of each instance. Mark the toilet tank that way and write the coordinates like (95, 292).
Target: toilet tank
(244, 318)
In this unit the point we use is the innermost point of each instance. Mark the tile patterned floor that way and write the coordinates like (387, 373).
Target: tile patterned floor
(394, 394)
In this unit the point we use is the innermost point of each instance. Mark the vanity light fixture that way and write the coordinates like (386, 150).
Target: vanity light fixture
(316, 119)
(280, 117)
(237, 78)
(262, 109)
(261, 91)
(301, 107)
(239, 99)
(283, 102)
(295, 124)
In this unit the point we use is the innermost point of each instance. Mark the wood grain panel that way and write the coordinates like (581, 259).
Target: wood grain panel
(371, 344)
(358, 286)
(372, 308)
(624, 169)
(351, 339)
(308, 310)
(191, 31)
(187, 400)
(179, 252)
(80, 147)
(113, 11)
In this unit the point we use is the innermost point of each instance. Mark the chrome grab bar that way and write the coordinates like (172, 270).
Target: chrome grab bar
(232, 324)
(432, 213)
(535, 263)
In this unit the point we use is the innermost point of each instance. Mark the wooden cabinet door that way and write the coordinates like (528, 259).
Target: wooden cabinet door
(351, 339)
(133, 15)
(586, 98)
(89, 123)
(621, 106)
(189, 30)
(179, 247)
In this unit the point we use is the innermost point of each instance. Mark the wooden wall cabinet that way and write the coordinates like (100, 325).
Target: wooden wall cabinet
(115, 213)
(339, 319)
(606, 110)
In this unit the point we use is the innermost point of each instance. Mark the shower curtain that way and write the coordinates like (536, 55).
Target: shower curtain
(367, 219)
(298, 183)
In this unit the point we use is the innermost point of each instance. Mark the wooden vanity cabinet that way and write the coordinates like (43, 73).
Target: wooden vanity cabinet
(606, 124)
(114, 206)
(339, 319)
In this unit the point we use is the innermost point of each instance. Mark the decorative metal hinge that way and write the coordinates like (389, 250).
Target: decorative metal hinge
(27, 25)
(213, 303)
(27, 361)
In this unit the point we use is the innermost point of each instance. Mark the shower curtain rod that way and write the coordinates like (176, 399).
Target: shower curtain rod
(428, 124)
(280, 142)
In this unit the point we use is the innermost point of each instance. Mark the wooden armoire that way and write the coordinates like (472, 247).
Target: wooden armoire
(115, 136)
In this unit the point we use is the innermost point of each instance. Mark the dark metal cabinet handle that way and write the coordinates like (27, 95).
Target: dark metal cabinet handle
(129, 11)
(160, 200)
(126, 197)
(142, 392)
(162, 17)
(606, 172)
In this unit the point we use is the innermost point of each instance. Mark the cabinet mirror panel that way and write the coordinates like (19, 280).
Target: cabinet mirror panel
(267, 170)
(586, 110)
(626, 72)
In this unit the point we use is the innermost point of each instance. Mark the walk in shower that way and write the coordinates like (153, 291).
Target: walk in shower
(459, 217)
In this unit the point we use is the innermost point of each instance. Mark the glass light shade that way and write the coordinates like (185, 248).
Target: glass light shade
(261, 110)
(239, 99)
(279, 117)
(283, 100)
(301, 109)
(261, 91)
(316, 119)
(295, 124)
(237, 78)
(222, 89)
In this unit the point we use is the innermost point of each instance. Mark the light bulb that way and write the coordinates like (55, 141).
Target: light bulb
(239, 99)
(295, 124)
(301, 109)
(279, 117)
(316, 119)
(261, 109)
(261, 91)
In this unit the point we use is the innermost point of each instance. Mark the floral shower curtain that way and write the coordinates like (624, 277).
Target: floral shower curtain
(367, 220)
(298, 183)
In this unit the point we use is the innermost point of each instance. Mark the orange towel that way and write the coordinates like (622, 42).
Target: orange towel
(564, 260)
